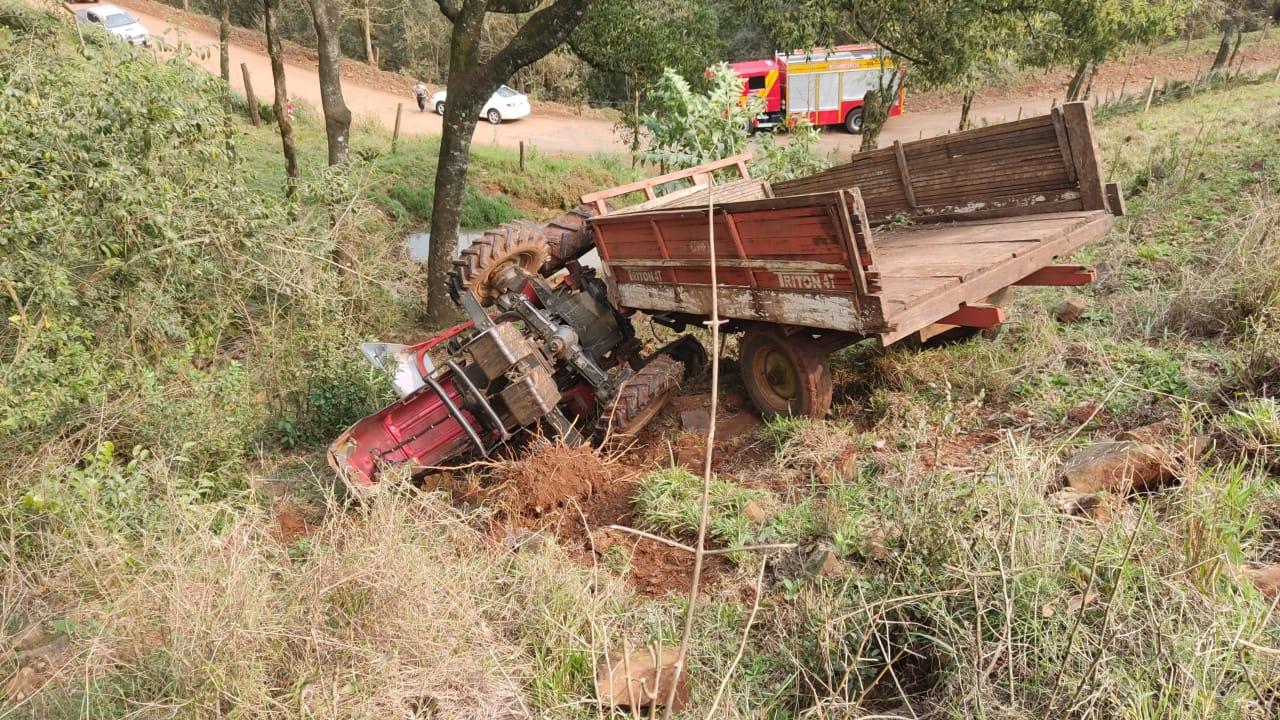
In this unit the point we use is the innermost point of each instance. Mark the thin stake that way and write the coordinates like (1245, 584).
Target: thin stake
(395, 134)
(700, 548)
(1019, 112)
(1151, 91)
(248, 94)
(521, 156)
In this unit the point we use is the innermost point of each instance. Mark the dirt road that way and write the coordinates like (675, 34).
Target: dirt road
(373, 94)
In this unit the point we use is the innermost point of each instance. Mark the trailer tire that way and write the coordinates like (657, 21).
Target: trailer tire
(785, 375)
(639, 401)
(853, 121)
(517, 243)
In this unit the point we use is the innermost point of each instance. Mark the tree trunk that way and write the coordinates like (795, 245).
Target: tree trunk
(966, 105)
(337, 118)
(367, 26)
(1235, 49)
(1224, 50)
(281, 98)
(224, 41)
(468, 90)
(875, 112)
(1077, 81)
(1088, 87)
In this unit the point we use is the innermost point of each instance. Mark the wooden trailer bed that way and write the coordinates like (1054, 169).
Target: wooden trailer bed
(889, 245)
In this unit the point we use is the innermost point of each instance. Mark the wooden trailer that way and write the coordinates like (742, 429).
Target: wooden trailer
(899, 244)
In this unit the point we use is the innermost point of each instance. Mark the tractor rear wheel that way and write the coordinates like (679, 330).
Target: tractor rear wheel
(520, 244)
(639, 400)
(785, 375)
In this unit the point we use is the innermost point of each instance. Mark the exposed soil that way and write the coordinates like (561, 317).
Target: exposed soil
(291, 524)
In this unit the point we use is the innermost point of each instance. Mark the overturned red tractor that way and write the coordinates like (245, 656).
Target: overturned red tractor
(915, 243)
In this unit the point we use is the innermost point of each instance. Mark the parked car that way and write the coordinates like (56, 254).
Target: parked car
(505, 104)
(117, 22)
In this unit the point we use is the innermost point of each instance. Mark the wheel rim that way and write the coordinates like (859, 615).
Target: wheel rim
(778, 377)
(856, 123)
(439, 108)
(494, 117)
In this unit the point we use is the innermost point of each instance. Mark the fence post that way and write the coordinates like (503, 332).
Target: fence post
(395, 133)
(1151, 91)
(521, 156)
(248, 94)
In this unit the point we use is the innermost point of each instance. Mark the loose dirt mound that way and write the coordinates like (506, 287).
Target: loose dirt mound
(549, 478)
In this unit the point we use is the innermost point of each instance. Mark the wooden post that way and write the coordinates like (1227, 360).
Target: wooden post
(904, 174)
(1084, 155)
(1277, 77)
(395, 133)
(521, 156)
(1151, 91)
(1019, 112)
(248, 94)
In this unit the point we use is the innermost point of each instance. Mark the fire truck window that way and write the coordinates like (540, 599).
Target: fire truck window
(801, 90)
(854, 84)
(828, 91)
(755, 83)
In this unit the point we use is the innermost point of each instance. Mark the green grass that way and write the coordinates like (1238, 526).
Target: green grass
(181, 347)
(402, 182)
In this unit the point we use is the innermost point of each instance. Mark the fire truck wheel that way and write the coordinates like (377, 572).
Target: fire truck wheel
(853, 121)
(785, 375)
(517, 243)
(639, 401)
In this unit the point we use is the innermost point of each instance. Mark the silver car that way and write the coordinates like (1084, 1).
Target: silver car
(117, 22)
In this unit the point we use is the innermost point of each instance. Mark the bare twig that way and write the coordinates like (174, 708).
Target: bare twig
(742, 646)
(700, 549)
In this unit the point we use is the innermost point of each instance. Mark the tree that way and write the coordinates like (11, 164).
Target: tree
(638, 39)
(1086, 33)
(472, 79)
(337, 118)
(285, 123)
(1234, 17)
(224, 40)
(687, 128)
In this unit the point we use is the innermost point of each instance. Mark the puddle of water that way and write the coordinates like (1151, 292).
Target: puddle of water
(419, 243)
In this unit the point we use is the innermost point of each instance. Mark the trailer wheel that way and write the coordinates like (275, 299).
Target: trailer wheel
(785, 375)
(639, 401)
(853, 121)
(517, 243)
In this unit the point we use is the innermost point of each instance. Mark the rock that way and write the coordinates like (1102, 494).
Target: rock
(1118, 467)
(756, 514)
(826, 563)
(1071, 309)
(1079, 601)
(1266, 578)
(1084, 411)
(696, 420)
(641, 679)
(1099, 506)
(1154, 434)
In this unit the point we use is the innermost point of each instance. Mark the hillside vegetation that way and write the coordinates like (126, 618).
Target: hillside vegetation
(178, 348)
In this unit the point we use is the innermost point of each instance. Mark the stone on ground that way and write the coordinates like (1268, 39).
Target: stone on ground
(641, 679)
(1266, 578)
(1071, 309)
(1120, 467)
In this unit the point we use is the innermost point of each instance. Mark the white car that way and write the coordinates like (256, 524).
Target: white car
(505, 104)
(117, 22)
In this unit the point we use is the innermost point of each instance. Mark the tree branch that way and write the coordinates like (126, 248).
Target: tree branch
(450, 8)
(547, 29)
(513, 7)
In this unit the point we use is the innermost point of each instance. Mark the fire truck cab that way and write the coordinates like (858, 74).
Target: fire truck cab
(827, 86)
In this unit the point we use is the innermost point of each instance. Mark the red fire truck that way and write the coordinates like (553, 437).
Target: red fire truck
(826, 86)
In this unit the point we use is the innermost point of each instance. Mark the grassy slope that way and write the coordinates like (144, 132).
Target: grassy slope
(962, 570)
(166, 585)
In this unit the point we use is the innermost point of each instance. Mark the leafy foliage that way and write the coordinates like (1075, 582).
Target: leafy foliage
(687, 128)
